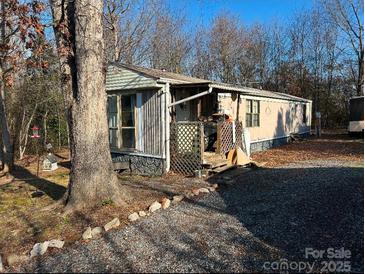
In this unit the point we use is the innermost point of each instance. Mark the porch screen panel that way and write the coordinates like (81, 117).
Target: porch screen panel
(152, 123)
(113, 120)
(128, 120)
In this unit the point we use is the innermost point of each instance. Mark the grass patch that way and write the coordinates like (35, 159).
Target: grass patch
(23, 222)
(107, 202)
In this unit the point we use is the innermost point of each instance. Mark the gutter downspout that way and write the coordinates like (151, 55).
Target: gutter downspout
(191, 97)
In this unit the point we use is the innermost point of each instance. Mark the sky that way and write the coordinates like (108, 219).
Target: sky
(248, 11)
(202, 12)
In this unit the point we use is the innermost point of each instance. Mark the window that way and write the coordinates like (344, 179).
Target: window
(121, 121)
(113, 120)
(128, 121)
(304, 113)
(252, 113)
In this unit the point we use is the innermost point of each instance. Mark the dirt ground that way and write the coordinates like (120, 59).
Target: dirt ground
(259, 220)
(24, 223)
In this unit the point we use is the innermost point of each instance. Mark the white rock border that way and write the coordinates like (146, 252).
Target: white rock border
(133, 217)
(40, 249)
(154, 207)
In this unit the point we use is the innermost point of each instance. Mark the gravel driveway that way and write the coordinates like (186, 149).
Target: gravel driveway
(265, 216)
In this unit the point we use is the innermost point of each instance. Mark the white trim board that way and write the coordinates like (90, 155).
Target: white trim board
(133, 91)
(272, 99)
(261, 98)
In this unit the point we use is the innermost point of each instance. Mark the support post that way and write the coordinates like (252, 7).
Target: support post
(199, 108)
(238, 106)
(167, 125)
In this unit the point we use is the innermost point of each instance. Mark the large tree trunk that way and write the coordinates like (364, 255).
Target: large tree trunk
(7, 150)
(92, 179)
(115, 31)
(1, 152)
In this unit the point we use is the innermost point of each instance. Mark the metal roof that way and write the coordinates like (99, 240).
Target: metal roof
(179, 80)
(163, 75)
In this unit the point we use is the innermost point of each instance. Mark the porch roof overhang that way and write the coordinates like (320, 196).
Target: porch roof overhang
(179, 81)
(228, 88)
(200, 94)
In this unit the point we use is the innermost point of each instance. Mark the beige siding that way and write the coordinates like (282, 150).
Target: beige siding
(119, 79)
(278, 118)
(228, 105)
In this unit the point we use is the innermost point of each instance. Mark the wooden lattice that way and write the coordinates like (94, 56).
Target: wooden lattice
(225, 139)
(186, 147)
(239, 135)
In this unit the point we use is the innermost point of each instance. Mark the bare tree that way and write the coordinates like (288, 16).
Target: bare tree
(331, 68)
(253, 58)
(20, 30)
(225, 45)
(278, 48)
(25, 109)
(316, 54)
(127, 28)
(78, 30)
(113, 10)
(348, 16)
(298, 32)
(200, 62)
(169, 44)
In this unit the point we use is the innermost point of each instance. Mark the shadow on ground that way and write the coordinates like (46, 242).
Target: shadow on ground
(53, 190)
(65, 164)
(265, 215)
(297, 208)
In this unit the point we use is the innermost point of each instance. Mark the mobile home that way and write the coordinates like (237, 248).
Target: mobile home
(161, 121)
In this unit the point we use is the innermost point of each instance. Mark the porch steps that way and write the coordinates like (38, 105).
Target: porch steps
(215, 165)
(221, 168)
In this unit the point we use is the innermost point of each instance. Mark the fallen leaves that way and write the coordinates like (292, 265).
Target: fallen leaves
(335, 146)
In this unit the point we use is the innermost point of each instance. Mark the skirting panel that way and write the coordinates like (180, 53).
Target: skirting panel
(266, 144)
(139, 164)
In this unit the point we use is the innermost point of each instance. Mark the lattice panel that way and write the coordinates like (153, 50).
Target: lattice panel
(226, 142)
(186, 147)
(239, 135)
